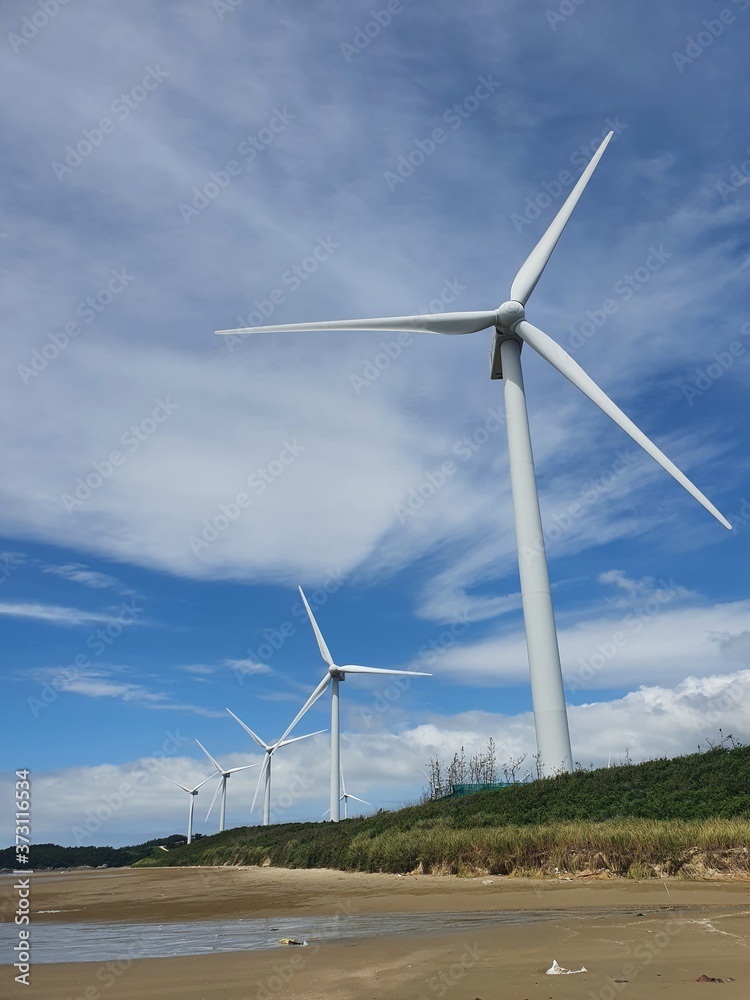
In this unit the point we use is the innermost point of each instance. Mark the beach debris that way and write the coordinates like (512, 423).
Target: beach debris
(713, 979)
(557, 970)
(302, 944)
(487, 881)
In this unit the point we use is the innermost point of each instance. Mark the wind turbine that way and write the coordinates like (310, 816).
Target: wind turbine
(345, 796)
(192, 792)
(270, 749)
(512, 330)
(334, 674)
(222, 784)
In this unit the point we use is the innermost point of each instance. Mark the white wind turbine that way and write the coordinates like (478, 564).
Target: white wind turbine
(512, 330)
(270, 750)
(345, 796)
(222, 784)
(334, 674)
(192, 792)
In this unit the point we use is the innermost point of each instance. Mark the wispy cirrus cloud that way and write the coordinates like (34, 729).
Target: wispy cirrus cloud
(79, 573)
(112, 682)
(54, 614)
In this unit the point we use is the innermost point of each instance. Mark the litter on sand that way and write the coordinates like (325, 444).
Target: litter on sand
(302, 944)
(557, 970)
(713, 979)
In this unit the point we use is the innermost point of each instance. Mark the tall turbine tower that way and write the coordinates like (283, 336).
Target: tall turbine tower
(511, 331)
(333, 676)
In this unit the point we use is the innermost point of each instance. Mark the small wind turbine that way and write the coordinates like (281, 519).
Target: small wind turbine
(511, 331)
(222, 784)
(345, 796)
(270, 749)
(334, 674)
(192, 792)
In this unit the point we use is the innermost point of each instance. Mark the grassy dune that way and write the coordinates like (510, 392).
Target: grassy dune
(689, 816)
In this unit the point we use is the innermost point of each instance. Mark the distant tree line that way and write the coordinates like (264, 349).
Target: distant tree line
(54, 856)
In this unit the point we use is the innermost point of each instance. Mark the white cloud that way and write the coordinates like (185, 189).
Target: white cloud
(55, 615)
(78, 573)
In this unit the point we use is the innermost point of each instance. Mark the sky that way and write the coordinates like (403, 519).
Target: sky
(175, 169)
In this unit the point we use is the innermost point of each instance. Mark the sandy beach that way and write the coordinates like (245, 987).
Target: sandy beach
(636, 939)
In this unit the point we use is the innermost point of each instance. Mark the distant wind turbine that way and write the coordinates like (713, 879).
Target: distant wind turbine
(222, 784)
(334, 674)
(270, 749)
(192, 792)
(345, 796)
(511, 331)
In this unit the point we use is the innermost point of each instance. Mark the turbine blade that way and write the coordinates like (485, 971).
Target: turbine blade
(324, 650)
(266, 763)
(562, 361)
(353, 668)
(363, 801)
(308, 704)
(531, 270)
(202, 783)
(213, 760)
(245, 767)
(247, 729)
(176, 783)
(296, 739)
(216, 792)
(446, 323)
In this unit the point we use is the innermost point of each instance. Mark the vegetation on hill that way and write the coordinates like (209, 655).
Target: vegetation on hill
(688, 814)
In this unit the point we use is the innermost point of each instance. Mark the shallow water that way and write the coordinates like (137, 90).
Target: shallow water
(110, 942)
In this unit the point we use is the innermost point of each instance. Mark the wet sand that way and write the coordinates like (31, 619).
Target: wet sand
(660, 936)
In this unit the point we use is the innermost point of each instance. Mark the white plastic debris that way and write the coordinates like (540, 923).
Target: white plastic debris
(557, 970)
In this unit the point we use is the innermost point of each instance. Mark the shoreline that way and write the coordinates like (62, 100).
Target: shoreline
(659, 935)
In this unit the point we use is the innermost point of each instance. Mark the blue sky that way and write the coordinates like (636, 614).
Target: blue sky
(171, 170)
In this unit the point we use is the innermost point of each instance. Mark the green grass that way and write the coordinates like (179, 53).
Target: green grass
(688, 815)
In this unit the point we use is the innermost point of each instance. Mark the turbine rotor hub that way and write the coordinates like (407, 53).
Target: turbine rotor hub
(508, 315)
